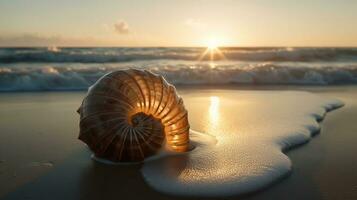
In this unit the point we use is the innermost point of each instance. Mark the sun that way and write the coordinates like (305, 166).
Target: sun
(212, 44)
(212, 51)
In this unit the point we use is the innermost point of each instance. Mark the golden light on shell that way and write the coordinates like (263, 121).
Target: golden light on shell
(128, 115)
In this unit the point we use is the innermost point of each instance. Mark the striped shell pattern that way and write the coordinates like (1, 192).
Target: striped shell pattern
(129, 115)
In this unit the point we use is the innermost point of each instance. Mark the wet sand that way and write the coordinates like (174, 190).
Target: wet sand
(326, 167)
(42, 159)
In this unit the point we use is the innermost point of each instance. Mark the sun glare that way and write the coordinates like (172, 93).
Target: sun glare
(212, 44)
(212, 51)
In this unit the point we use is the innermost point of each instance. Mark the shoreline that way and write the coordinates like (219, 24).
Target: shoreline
(31, 188)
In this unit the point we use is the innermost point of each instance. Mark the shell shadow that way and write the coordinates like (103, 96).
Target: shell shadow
(101, 181)
(80, 177)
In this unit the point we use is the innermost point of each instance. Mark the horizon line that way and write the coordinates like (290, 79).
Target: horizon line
(153, 46)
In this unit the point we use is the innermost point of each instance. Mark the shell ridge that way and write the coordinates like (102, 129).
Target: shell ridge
(139, 88)
(161, 96)
(88, 117)
(176, 120)
(99, 94)
(139, 145)
(108, 97)
(125, 83)
(147, 83)
(149, 138)
(145, 88)
(177, 112)
(167, 102)
(98, 124)
(121, 144)
(105, 145)
(153, 83)
(152, 91)
(169, 110)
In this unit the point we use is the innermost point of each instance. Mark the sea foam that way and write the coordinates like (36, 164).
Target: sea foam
(252, 129)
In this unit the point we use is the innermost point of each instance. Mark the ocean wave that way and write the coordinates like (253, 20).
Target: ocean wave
(51, 78)
(114, 55)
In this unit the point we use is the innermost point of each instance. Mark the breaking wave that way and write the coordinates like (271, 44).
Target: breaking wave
(73, 77)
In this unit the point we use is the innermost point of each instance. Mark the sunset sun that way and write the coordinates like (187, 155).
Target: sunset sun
(212, 51)
(212, 43)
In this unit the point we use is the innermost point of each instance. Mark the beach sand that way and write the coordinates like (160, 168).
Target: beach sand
(41, 158)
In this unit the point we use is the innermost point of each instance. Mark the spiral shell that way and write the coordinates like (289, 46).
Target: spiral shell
(128, 115)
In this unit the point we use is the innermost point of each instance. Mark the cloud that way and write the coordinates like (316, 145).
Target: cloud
(121, 27)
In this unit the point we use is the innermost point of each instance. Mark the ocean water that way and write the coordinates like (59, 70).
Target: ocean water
(47, 69)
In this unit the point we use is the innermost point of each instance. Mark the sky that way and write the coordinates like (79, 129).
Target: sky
(178, 23)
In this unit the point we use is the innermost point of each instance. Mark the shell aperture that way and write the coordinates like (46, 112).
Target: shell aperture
(128, 115)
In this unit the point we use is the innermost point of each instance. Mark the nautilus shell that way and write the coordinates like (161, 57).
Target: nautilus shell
(129, 115)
